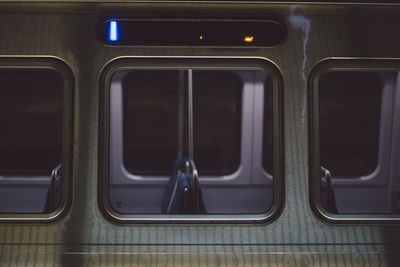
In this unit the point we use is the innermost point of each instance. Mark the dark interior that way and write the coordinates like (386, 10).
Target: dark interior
(31, 121)
(217, 113)
(349, 111)
(150, 111)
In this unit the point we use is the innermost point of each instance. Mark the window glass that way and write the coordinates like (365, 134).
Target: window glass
(150, 118)
(358, 132)
(150, 107)
(31, 117)
(217, 121)
(349, 124)
(150, 121)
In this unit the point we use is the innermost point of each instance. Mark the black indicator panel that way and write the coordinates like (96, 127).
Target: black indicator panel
(191, 33)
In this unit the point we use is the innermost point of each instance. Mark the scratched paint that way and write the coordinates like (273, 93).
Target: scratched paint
(304, 25)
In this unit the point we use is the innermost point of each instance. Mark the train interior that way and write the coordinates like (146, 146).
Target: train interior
(359, 139)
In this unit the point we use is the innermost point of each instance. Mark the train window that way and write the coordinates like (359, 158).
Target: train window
(32, 118)
(186, 140)
(150, 141)
(349, 119)
(354, 137)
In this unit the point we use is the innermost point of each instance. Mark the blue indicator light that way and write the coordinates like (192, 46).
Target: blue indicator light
(113, 31)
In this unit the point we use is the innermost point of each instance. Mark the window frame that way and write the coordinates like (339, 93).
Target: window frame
(223, 63)
(379, 176)
(61, 67)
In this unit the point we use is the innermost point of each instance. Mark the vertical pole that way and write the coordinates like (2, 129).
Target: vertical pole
(181, 97)
(190, 141)
(190, 113)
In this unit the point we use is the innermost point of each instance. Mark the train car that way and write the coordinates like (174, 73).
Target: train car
(199, 133)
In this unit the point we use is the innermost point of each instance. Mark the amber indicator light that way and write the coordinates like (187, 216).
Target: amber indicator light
(249, 39)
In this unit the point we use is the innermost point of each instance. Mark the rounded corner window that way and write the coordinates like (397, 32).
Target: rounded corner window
(353, 140)
(35, 144)
(183, 140)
